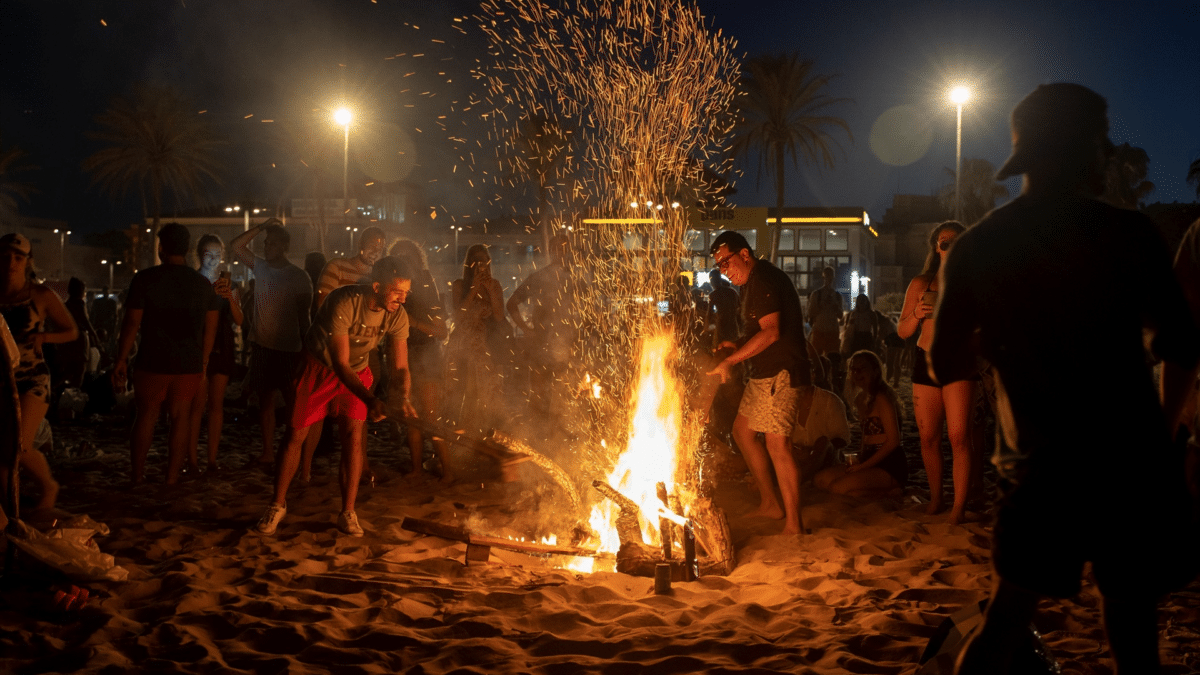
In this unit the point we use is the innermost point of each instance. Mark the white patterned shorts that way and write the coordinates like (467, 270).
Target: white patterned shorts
(770, 404)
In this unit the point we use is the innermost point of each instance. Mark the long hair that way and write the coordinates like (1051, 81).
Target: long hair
(933, 261)
(468, 276)
(410, 250)
(862, 399)
(203, 243)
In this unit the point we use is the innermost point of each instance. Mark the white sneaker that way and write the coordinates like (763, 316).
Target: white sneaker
(348, 523)
(270, 519)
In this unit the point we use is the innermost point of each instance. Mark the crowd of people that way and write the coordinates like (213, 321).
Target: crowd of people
(370, 337)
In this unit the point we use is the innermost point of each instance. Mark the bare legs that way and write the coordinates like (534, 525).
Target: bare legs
(950, 404)
(351, 466)
(33, 410)
(151, 391)
(778, 452)
(210, 397)
(427, 396)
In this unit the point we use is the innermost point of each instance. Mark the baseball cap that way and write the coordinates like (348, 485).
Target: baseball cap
(1054, 119)
(17, 242)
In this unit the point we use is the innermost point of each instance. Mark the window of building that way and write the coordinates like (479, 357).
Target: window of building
(796, 267)
(837, 240)
(810, 240)
(787, 239)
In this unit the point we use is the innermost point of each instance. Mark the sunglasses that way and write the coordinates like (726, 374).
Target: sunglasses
(723, 263)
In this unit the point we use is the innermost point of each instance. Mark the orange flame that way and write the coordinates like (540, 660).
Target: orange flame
(651, 456)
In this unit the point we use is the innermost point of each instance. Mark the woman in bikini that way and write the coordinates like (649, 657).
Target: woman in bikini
(881, 466)
(36, 317)
(938, 402)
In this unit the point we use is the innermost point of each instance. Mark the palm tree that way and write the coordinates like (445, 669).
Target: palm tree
(979, 190)
(1125, 177)
(542, 144)
(155, 144)
(778, 108)
(13, 190)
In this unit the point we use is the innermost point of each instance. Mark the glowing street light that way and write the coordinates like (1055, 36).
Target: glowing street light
(343, 116)
(62, 251)
(351, 230)
(959, 96)
(110, 264)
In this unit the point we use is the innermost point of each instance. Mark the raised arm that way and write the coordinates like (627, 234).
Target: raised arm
(767, 335)
(240, 246)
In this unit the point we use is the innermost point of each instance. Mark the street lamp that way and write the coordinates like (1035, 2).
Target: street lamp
(351, 235)
(959, 96)
(342, 116)
(110, 264)
(62, 251)
(455, 231)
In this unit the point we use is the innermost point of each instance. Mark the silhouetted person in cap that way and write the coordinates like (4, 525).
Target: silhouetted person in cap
(1096, 476)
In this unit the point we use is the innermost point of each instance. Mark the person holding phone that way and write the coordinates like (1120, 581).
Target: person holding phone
(477, 300)
(935, 403)
(210, 254)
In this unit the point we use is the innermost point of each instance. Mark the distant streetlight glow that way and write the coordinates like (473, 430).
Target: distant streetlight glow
(959, 96)
(342, 116)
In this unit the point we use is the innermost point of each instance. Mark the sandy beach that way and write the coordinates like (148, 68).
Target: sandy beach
(862, 594)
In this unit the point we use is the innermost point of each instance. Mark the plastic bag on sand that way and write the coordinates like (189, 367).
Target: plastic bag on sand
(71, 551)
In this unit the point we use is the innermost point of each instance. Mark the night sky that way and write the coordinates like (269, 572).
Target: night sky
(245, 61)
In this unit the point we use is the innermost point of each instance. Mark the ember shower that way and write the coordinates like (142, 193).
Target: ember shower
(614, 108)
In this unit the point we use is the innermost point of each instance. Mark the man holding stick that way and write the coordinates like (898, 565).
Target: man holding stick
(335, 379)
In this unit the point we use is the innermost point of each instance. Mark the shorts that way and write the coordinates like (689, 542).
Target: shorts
(220, 363)
(158, 388)
(771, 404)
(270, 369)
(920, 371)
(320, 394)
(1139, 541)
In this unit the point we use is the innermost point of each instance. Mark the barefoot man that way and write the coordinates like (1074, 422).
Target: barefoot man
(334, 379)
(773, 346)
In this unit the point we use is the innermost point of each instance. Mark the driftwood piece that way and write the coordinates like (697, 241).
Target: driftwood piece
(545, 463)
(712, 532)
(454, 533)
(665, 525)
(629, 529)
(505, 458)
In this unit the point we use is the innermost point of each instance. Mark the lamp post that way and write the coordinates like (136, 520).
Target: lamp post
(62, 251)
(110, 264)
(959, 96)
(343, 116)
(352, 231)
(456, 230)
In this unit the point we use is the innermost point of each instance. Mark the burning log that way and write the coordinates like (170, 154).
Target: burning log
(664, 524)
(479, 545)
(629, 530)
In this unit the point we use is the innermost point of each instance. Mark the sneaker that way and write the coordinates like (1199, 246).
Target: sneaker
(348, 523)
(270, 519)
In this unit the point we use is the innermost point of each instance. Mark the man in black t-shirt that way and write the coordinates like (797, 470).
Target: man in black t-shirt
(774, 348)
(1096, 477)
(175, 309)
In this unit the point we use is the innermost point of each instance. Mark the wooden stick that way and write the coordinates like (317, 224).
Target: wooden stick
(453, 533)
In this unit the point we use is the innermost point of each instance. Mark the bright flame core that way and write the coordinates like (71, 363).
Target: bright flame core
(651, 455)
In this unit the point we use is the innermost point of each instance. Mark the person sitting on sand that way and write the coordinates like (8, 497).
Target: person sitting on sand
(881, 466)
(36, 316)
(821, 427)
(334, 379)
(175, 309)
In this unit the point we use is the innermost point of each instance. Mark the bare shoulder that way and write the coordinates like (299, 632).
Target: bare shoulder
(920, 283)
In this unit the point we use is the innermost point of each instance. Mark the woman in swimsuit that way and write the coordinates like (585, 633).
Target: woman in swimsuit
(934, 402)
(35, 316)
(881, 465)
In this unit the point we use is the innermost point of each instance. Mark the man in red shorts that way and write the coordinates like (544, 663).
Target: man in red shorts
(335, 380)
